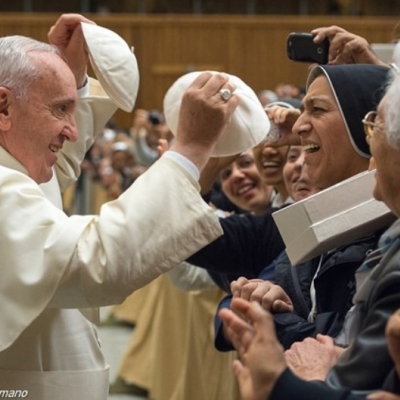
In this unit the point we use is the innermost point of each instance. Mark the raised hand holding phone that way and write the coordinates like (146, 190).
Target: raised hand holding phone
(301, 47)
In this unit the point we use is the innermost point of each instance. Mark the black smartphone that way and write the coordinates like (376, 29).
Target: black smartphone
(155, 117)
(301, 47)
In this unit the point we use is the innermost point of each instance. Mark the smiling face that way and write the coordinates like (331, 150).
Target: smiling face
(387, 163)
(295, 175)
(243, 186)
(270, 162)
(34, 130)
(329, 155)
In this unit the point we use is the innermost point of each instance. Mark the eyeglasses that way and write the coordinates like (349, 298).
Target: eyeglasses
(370, 125)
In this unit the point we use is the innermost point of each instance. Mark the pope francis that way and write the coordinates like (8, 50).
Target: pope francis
(55, 269)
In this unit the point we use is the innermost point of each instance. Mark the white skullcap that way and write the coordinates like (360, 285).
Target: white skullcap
(249, 124)
(120, 146)
(114, 64)
(109, 134)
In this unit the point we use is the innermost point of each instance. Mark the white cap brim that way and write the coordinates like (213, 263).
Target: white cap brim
(114, 64)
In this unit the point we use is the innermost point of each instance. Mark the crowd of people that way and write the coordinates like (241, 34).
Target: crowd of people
(120, 155)
(185, 244)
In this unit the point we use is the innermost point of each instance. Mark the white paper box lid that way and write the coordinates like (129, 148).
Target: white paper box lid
(332, 218)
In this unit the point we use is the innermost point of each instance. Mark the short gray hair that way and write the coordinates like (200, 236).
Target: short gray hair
(392, 103)
(17, 71)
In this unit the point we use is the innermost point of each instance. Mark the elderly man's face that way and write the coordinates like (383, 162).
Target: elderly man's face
(387, 163)
(40, 125)
(329, 155)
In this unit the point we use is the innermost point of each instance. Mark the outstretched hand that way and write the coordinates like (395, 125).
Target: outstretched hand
(313, 358)
(254, 337)
(271, 297)
(284, 119)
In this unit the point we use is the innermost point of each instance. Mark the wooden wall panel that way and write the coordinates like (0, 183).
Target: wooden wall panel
(208, 7)
(382, 7)
(168, 46)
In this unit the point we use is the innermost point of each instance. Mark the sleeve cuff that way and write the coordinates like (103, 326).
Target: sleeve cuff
(184, 163)
(288, 384)
(84, 90)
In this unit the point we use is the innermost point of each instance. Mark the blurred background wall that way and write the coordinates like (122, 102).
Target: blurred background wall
(244, 38)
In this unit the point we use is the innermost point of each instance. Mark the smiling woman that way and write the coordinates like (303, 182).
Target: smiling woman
(243, 185)
(365, 366)
(329, 126)
(270, 161)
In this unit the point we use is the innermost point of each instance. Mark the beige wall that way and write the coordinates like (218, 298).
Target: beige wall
(167, 46)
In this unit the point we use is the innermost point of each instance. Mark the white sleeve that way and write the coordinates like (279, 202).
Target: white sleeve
(188, 277)
(49, 259)
(184, 162)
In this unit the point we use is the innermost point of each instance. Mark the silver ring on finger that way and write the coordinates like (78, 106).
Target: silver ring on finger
(225, 94)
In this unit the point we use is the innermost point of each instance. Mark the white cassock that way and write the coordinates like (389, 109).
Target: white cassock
(54, 266)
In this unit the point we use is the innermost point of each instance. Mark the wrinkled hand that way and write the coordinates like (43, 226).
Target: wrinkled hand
(346, 47)
(262, 359)
(271, 297)
(284, 118)
(203, 117)
(313, 358)
(67, 35)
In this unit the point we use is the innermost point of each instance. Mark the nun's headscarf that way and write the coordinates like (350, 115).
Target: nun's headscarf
(358, 88)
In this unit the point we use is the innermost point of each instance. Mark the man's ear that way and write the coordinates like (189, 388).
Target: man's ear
(5, 101)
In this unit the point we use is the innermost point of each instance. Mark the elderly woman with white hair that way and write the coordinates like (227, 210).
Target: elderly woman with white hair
(365, 367)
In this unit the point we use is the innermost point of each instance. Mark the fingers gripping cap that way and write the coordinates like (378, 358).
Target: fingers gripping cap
(248, 126)
(113, 63)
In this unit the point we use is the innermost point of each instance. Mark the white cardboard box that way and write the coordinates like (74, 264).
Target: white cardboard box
(331, 218)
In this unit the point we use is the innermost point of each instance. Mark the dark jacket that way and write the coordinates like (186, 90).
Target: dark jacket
(248, 244)
(334, 287)
(366, 365)
(290, 387)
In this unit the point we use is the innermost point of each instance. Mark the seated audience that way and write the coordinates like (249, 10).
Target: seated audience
(299, 187)
(330, 126)
(365, 366)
